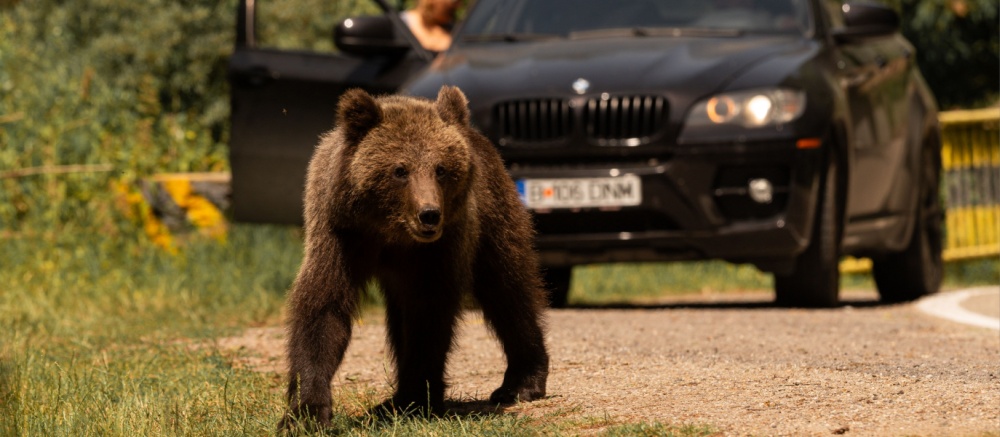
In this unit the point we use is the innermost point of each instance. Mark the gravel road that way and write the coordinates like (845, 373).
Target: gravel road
(731, 361)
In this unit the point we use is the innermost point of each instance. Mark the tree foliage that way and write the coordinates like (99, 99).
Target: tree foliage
(957, 43)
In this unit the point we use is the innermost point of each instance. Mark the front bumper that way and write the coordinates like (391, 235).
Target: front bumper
(695, 206)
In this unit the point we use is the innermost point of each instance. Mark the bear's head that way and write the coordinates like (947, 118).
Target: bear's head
(409, 162)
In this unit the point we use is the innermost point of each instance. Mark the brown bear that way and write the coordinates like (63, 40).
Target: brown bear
(405, 191)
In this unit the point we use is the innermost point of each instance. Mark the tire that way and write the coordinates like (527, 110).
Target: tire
(815, 282)
(917, 270)
(557, 283)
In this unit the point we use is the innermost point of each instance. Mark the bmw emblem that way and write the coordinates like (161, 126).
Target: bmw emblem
(581, 85)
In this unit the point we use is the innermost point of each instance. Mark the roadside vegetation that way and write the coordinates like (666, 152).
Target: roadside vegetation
(637, 283)
(106, 333)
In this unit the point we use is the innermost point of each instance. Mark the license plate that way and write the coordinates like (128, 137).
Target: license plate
(581, 192)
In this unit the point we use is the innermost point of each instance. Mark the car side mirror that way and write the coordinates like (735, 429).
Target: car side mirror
(866, 20)
(369, 36)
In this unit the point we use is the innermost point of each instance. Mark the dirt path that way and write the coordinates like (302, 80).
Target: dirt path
(733, 362)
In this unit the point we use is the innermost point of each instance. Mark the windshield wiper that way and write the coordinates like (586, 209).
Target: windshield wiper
(625, 32)
(508, 37)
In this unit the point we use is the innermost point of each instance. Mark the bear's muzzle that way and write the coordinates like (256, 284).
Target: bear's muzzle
(427, 228)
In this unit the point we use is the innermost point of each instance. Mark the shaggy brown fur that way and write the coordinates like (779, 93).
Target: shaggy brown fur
(405, 191)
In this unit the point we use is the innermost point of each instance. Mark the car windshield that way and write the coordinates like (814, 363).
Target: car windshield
(520, 20)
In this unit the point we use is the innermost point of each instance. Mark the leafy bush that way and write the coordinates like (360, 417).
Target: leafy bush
(958, 48)
(121, 90)
(135, 87)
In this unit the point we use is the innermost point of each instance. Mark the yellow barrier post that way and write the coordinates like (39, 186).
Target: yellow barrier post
(971, 159)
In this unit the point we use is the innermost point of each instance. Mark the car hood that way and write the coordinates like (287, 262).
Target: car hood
(681, 68)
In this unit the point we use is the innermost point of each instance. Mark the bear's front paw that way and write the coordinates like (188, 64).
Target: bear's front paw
(307, 418)
(529, 391)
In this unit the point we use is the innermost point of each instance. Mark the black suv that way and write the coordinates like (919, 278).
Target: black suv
(782, 133)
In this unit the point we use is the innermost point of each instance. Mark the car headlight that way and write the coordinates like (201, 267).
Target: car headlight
(753, 108)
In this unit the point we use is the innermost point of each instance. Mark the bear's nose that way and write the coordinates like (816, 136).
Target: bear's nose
(430, 216)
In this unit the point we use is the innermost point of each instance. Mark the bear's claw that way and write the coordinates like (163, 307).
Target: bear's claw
(510, 395)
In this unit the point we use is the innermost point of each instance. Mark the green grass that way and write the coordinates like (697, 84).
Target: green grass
(973, 272)
(99, 334)
(597, 284)
(657, 430)
(615, 283)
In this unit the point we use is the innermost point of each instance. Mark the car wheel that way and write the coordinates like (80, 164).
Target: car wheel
(815, 282)
(557, 282)
(918, 269)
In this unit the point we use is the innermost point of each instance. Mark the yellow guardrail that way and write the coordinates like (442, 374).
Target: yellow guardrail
(970, 157)
(171, 207)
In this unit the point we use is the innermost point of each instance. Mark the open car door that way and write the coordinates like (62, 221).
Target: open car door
(282, 101)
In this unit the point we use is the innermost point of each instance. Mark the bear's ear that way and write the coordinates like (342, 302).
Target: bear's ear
(452, 106)
(357, 113)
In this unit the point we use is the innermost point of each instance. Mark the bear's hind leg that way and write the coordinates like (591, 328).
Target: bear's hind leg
(420, 321)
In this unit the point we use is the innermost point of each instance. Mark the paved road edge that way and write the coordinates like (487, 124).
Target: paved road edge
(948, 306)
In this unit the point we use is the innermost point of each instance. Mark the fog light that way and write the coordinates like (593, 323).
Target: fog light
(761, 190)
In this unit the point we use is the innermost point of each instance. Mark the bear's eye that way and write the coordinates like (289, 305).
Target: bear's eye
(400, 173)
(440, 171)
